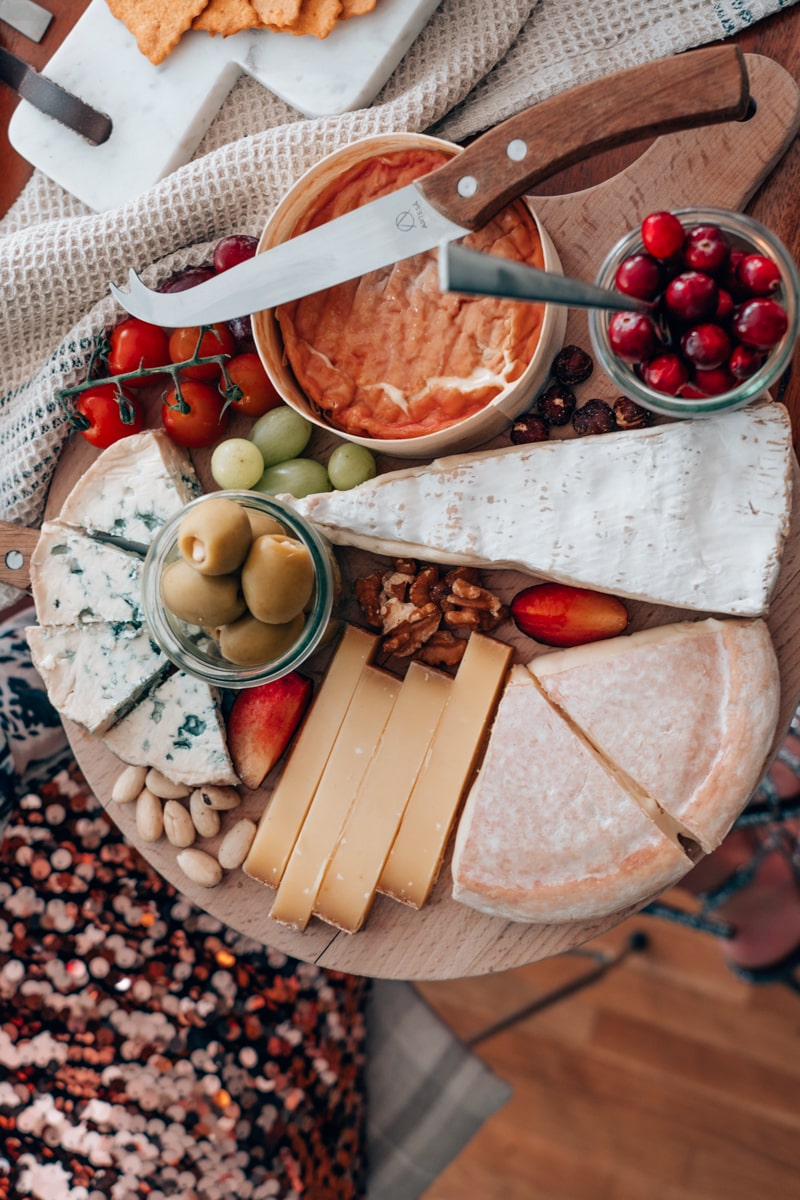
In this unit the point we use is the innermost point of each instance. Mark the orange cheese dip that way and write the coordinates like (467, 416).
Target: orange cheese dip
(388, 355)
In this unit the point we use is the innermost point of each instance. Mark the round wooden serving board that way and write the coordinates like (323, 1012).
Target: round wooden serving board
(718, 166)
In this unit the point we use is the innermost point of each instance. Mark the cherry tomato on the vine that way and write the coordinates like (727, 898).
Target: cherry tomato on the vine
(135, 344)
(258, 393)
(203, 423)
(186, 341)
(106, 413)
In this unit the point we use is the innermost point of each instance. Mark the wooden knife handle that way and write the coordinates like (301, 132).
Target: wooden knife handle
(701, 87)
(17, 544)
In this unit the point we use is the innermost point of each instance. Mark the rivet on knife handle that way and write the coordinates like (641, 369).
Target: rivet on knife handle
(701, 87)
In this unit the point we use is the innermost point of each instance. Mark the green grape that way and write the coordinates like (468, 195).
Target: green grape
(236, 463)
(349, 465)
(297, 476)
(280, 434)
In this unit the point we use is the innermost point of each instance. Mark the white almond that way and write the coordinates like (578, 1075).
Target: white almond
(200, 867)
(165, 788)
(235, 845)
(178, 824)
(206, 819)
(149, 816)
(128, 785)
(220, 798)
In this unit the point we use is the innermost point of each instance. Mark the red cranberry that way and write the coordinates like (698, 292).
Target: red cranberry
(724, 305)
(759, 274)
(744, 361)
(662, 234)
(730, 279)
(691, 296)
(706, 249)
(760, 323)
(639, 275)
(633, 336)
(666, 373)
(706, 346)
(714, 382)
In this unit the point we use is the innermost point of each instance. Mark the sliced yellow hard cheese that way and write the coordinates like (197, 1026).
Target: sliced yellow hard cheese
(354, 749)
(418, 850)
(351, 879)
(280, 824)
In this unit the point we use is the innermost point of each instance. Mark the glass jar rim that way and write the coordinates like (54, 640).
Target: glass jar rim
(756, 387)
(185, 653)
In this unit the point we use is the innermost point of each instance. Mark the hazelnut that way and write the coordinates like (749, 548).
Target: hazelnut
(529, 428)
(572, 365)
(631, 415)
(595, 416)
(557, 404)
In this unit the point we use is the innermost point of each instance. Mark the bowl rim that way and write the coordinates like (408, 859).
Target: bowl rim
(473, 430)
(749, 390)
(214, 670)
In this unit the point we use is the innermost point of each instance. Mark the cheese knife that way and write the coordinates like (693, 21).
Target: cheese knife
(53, 100)
(26, 17)
(18, 542)
(700, 87)
(474, 274)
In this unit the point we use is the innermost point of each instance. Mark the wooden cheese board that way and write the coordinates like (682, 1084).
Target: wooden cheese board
(718, 166)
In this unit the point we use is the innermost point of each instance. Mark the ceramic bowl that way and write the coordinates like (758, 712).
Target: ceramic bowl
(473, 430)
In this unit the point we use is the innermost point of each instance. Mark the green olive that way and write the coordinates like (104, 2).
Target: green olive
(206, 600)
(214, 537)
(261, 523)
(277, 578)
(249, 642)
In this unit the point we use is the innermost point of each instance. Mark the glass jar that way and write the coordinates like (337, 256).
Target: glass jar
(743, 233)
(192, 649)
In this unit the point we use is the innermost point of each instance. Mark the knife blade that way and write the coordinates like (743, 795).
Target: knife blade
(26, 17)
(474, 274)
(53, 100)
(699, 87)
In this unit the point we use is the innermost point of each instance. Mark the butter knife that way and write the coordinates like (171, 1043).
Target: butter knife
(26, 17)
(18, 543)
(54, 100)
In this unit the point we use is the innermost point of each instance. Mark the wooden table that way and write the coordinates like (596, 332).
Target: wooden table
(406, 949)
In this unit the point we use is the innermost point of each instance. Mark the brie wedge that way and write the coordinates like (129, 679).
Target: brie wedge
(693, 514)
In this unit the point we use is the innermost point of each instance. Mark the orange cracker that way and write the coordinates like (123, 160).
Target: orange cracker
(316, 17)
(355, 8)
(277, 13)
(226, 17)
(157, 27)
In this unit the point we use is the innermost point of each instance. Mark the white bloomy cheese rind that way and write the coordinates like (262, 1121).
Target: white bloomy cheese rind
(692, 514)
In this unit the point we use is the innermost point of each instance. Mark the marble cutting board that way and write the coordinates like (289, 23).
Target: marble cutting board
(159, 114)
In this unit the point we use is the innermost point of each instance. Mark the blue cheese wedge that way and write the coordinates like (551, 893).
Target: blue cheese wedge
(95, 673)
(133, 488)
(694, 514)
(177, 728)
(76, 581)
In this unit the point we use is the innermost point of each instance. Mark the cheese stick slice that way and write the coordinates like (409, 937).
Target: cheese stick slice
(356, 745)
(548, 835)
(285, 812)
(686, 713)
(351, 879)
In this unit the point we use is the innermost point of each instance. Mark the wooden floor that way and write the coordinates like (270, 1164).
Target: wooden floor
(667, 1080)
